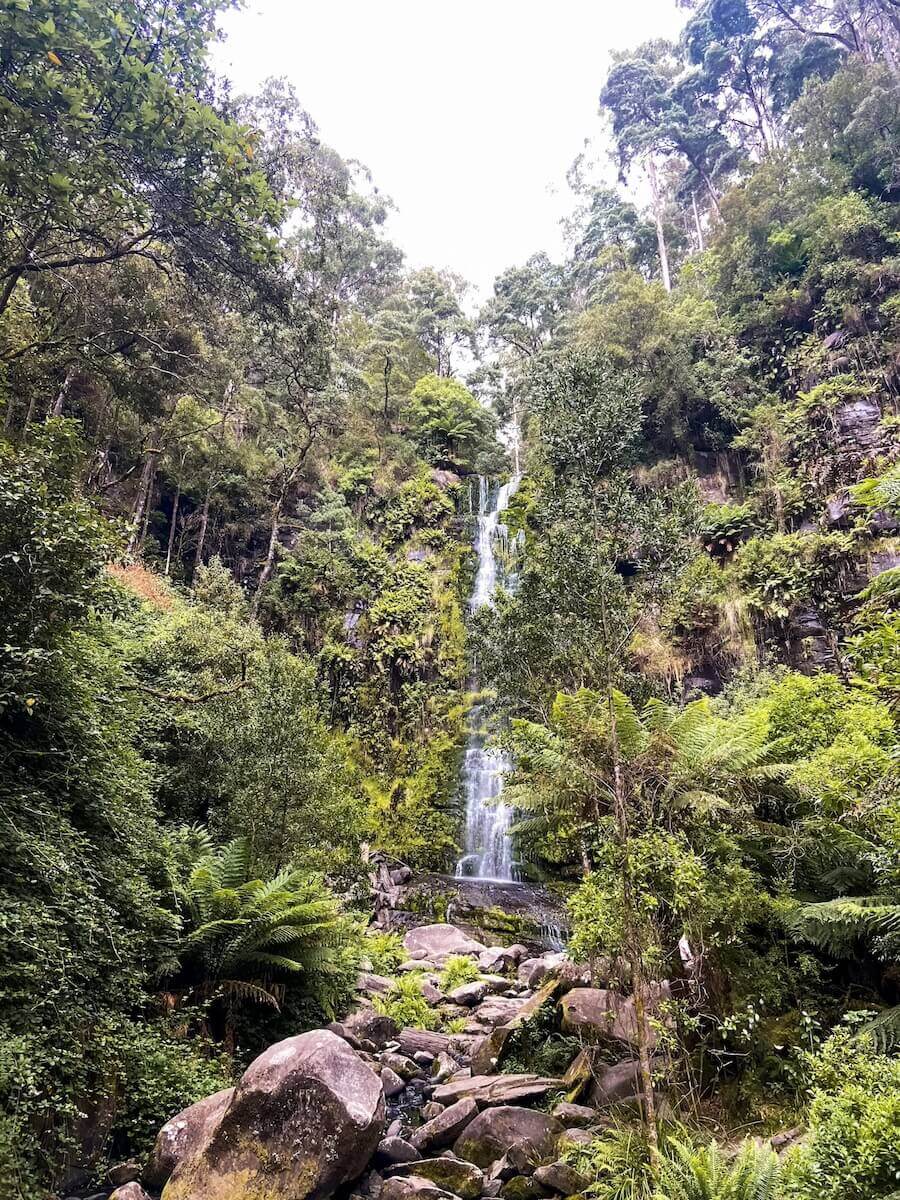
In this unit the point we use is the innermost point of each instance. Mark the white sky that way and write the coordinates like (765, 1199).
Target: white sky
(467, 113)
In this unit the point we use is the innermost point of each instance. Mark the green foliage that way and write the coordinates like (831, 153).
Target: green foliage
(52, 548)
(617, 1163)
(406, 1004)
(458, 969)
(385, 951)
(247, 939)
(781, 573)
(851, 1152)
(447, 420)
(709, 1173)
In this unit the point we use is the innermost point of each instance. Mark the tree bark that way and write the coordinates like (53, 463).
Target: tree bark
(204, 521)
(660, 233)
(137, 517)
(266, 572)
(172, 527)
(697, 225)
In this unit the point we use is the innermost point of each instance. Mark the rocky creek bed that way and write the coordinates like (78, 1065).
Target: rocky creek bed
(367, 1110)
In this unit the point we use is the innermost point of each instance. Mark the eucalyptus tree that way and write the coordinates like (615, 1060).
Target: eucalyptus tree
(114, 147)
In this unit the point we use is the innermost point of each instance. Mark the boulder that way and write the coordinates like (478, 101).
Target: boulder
(576, 1115)
(444, 1066)
(183, 1136)
(497, 1010)
(370, 1026)
(405, 1067)
(621, 1082)
(125, 1172)
(560, 1177)
(464, 1179)
(496, 1131)
(487, 1053)
(415, 1041)
(431, 1110)
(129, 1191)
(603, 1014)
(391, 1082)
(487, 1090)
(305, 1118)
(373, 985)
(445, 1127)
(407, 1187)
(469, 994)
(440, 941)
(397, 1150)
(497, 959)
(522, 1187)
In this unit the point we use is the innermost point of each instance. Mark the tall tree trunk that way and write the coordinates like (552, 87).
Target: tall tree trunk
(59, 403)
(172, 527)
(660, 232)
(633, 954)
(204, 521)
(697, 225)
(266, 572)
(148, 506)
(137, 516)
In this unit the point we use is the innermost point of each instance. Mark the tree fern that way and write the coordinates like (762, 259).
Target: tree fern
(244, 937)
(842, 925)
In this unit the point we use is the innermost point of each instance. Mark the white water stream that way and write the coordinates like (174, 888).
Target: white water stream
(488, 846)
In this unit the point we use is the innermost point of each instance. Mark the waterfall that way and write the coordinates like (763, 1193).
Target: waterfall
(488, 846)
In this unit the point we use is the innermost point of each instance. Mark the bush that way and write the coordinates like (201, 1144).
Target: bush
(853, 1152)
(709, 1173)
(458, 970)
(384, 951)
(406, 1004)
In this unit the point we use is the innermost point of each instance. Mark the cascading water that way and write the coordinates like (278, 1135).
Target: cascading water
(488, 846)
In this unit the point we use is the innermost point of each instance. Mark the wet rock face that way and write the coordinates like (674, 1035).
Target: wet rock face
(183, 1136)
(305, 1118)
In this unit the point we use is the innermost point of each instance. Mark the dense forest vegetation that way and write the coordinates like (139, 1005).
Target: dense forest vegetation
(239, 447)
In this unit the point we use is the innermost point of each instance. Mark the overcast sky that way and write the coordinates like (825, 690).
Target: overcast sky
(467, 113)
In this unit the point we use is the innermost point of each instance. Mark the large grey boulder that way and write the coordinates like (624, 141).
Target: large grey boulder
(397, 1150)
(602, 1013)
(621, 1082)
(488, 1090)
(464, 1179)
(305, 1118)
(447, 1125)
(412, 1187)
(561, 1177)
(183, 1136)
(438, 942)
(497, 1131)
(129, 1191)
(371, 1026)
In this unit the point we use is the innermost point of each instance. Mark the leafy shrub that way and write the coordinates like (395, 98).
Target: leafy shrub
(708, 1173)
(385, 952)
(788, 570)
(458, 970)
(852, 1152)
(406, 1004)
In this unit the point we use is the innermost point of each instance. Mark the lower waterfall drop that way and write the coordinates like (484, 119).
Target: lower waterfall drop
(488, 846)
